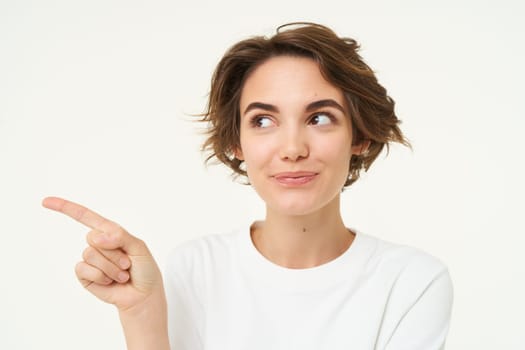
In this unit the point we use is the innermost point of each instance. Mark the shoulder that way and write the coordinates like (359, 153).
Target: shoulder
(419, 295)
(406, 272)
(402, 260)
(202, 251)
(412, 277)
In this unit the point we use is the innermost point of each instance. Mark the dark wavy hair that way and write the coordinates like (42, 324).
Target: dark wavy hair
(371, 109)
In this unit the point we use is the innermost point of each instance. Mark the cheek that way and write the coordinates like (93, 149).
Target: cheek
(256, 151)
(336, 149)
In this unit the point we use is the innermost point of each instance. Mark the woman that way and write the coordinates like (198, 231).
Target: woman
(300, 114)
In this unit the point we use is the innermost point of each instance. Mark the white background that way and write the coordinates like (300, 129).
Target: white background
(96, 104)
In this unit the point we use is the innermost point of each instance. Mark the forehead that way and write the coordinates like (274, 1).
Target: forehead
(285, 80)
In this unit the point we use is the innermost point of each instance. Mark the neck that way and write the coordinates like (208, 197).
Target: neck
(302, 241)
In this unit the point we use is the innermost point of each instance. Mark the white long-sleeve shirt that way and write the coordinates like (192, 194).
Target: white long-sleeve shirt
(223, 294)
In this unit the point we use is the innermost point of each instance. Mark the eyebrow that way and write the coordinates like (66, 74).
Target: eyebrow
(311, 106)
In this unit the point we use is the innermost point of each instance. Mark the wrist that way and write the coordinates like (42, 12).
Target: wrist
(146, 325)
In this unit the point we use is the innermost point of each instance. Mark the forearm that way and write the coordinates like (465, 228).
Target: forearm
(146, 327)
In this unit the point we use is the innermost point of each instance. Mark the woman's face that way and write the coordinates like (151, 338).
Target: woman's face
(295, 135)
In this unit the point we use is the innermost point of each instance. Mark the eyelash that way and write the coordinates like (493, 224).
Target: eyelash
(255, 120)
(328, 114)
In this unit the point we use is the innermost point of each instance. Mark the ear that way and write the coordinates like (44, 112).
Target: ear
(360, 148)
(237, 152)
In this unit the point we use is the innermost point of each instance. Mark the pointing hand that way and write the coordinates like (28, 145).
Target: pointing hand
(117, 267)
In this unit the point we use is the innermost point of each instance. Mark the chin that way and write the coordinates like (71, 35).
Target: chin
(298, 207)
(299, 202)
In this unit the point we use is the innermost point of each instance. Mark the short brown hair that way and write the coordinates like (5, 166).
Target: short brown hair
(371, 109)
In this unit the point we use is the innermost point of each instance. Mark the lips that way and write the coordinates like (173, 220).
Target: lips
(296, 178)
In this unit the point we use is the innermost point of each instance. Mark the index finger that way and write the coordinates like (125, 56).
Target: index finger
(76, 211)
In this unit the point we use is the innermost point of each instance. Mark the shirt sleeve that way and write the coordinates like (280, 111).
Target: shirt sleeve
(425, 324)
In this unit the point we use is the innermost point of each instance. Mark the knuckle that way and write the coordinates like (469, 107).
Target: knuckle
(91, 235)
(100, 277)
(140, 242)
(119, 232)
(78, 269)
(81, 272)
(87, 276)
(88, 254)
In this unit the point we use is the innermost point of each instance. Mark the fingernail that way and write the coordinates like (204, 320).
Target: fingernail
(123, 276)
(124, 263)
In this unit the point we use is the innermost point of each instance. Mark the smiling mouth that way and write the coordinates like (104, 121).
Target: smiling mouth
(292, 179)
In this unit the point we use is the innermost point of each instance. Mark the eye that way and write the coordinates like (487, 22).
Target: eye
(322, 118)
(261, 121)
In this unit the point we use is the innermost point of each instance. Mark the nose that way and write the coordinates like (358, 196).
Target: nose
(293, 144)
